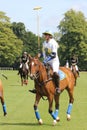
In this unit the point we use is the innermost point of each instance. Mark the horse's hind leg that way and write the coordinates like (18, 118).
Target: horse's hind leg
(71, 100)
(3, 105)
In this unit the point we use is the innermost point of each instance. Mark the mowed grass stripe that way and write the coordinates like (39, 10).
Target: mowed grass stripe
(20, 106)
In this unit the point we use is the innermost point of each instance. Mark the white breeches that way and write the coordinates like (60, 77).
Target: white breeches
(27, 67)
(75, 67)
(55, 65)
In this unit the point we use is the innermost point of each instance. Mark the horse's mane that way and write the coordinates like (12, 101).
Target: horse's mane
(46, 67)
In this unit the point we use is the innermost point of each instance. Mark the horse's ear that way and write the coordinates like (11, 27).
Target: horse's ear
(29, 57)
(37, 56)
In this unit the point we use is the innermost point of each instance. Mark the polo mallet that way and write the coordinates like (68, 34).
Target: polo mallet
(4, 76)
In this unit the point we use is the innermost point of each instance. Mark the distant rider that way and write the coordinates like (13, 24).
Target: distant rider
(74, 61)
(24, 60)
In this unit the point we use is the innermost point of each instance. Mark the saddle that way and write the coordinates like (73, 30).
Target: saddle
(61, 74)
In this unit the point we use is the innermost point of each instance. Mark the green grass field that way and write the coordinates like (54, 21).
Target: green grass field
(20, 106)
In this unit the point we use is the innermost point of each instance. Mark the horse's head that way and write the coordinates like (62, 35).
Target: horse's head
(34, 67)
(73, 68)
(74, 71)
(38, 70)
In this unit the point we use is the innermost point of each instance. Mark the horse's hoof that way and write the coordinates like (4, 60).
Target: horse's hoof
(26, 82)
(5, 114)
(57, 119)
(54, 122)
(40, 122)
(68, 117)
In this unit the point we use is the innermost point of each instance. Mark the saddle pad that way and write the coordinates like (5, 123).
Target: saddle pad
(61, 74)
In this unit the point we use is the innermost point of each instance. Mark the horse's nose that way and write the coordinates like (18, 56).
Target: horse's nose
(31, 76)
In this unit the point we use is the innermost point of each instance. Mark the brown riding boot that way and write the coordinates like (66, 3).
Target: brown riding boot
(56, 81)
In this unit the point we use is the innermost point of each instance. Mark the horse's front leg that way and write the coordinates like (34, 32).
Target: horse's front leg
(3, 105)
(37, 114)
(54, 114)
(21, 81)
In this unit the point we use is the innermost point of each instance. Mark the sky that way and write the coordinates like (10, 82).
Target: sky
(50, 15)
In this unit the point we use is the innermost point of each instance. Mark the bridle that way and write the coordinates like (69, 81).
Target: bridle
(36, 77)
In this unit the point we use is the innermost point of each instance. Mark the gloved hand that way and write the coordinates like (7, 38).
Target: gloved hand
(44, 62)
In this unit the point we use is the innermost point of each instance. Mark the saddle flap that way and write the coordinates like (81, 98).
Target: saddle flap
(61, 74)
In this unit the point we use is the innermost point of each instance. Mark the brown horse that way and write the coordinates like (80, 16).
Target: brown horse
(23, 74)
(45, 86)
(2, 99)
(75, 73)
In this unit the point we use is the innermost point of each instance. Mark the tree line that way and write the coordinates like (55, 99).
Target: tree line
(71, 36)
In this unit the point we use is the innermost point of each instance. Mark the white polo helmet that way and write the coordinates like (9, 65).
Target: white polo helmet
(48, 32)
(25, 53)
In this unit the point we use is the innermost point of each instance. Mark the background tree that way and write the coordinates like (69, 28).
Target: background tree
(73, 29)
(19, 29)
(30, 42)
(10, 45)
(71, 35)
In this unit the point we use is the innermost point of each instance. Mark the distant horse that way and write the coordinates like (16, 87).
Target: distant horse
(23, 74)
(2, 99)
(75, 73)
(45, 86)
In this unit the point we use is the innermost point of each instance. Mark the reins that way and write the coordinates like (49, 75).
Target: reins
(43, 83)
(36, 76)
